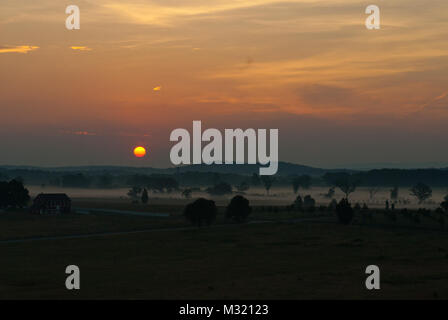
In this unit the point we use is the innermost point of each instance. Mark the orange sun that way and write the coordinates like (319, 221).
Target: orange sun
(139, 152)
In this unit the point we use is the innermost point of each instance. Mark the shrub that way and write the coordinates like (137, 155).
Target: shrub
(201, 211)
(344, 211)
(298, 203)
(309, 203)
(421, 191)
(13, 194)
(145, 197)
(238, 209)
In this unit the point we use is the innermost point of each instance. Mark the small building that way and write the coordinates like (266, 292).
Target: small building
(51, 203)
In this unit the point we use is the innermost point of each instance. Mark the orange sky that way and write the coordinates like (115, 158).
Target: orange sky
(138, 69)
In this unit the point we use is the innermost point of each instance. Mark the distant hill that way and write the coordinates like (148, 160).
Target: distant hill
(284, 169)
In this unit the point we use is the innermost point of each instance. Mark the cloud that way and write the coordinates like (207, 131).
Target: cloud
(80, 48)
(79, 133)
(439, 102)
(17, 49)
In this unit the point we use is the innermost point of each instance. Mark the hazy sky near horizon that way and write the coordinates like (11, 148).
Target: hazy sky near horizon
(338, 93)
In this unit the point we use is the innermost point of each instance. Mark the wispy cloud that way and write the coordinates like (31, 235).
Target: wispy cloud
(79, 133)
(437, 102)
(17, 49)
(80, 48)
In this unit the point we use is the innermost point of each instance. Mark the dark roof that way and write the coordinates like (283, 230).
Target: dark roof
(52, 196)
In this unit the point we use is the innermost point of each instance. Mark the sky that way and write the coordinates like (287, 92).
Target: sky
(339, 94)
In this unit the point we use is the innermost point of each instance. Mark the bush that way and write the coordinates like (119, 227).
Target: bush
(145, 197)
(238, 209)
(13, 194)
(344, 211)
(298, 203)
(201, 211)
(309, 203)
(422, 192)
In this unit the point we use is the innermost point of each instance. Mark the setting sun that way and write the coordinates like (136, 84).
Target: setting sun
(139, 152)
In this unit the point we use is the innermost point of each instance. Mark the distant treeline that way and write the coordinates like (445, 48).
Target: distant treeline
(117, 178)
(396, 177)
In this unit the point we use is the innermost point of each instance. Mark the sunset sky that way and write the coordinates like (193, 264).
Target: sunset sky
(338, 93)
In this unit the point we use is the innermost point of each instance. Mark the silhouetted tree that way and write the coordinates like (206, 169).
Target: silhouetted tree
(201, 211)
(345, 182)
(347, 186)
(344, 211)
(330, 193)
(309, 203)
(303, 181)
(421, 191)
(267, 182)
(145, 197)
(298, 203)
(187, 193)
(394, 193)
(243, 186)
(134, 193)
(13, 194)
(220, 189)
(238, 209)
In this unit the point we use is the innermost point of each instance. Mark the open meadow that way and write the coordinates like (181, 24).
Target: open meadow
(278, 254)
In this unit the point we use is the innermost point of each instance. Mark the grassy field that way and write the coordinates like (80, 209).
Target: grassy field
(292, 257)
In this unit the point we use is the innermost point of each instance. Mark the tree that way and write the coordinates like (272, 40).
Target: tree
(421, 191)
(267, 182)
(13, 194)
(309, 203)
(330, 193)
(444, 204)
(303, 181)
(238, 209)
(145, 197)
(220, 189)
(298, 203)
(200, 211)
(243, 186)
(347, 185)
(187, 193)
(344, 211)
(394, 194)
(134, 193)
